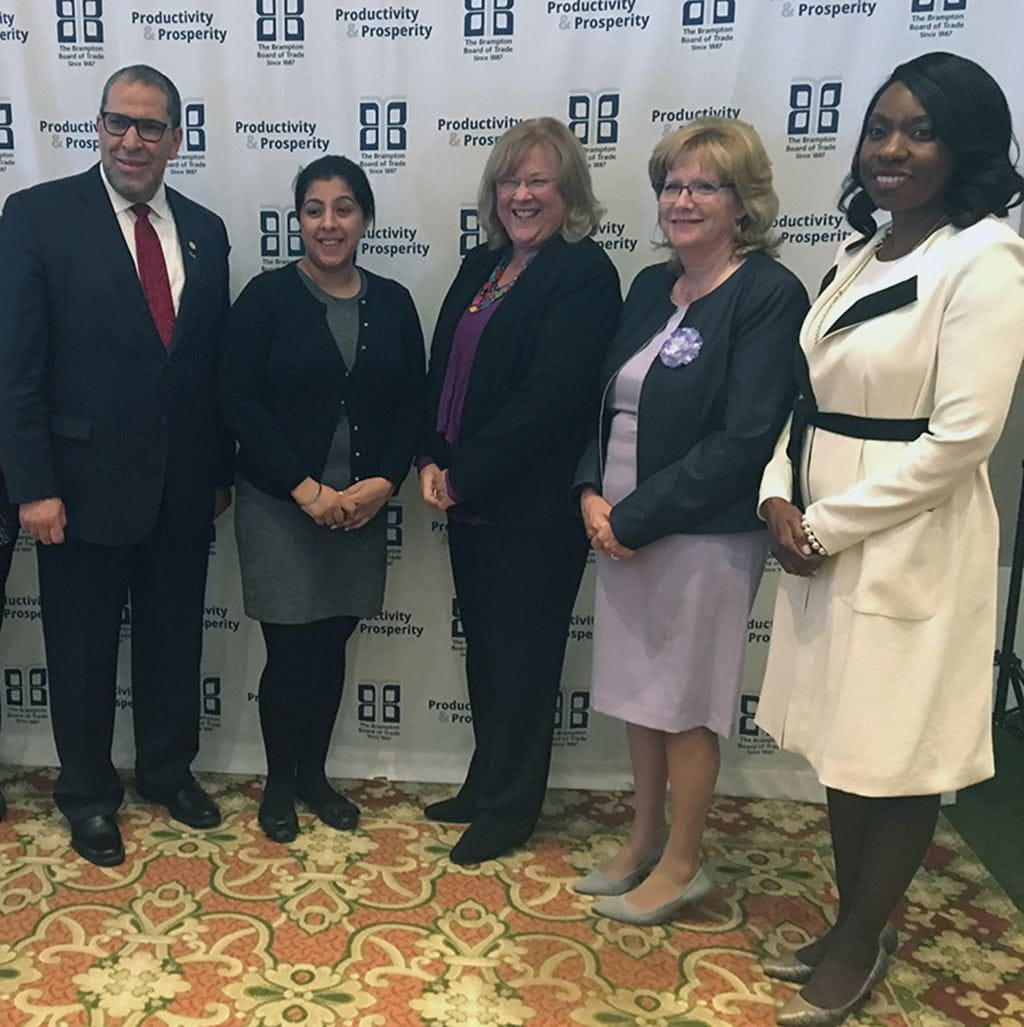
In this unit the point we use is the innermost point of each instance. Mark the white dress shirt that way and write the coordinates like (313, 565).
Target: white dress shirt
(162, 220)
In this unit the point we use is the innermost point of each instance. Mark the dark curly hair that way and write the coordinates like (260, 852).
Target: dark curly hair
(971, 118)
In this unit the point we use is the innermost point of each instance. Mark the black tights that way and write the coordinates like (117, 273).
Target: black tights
(878, 844)
(300, 692)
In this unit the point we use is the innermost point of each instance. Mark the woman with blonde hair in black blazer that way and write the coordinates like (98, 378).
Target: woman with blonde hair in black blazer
(519, 340)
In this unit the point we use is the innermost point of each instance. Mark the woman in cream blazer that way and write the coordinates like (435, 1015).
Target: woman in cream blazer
(879, 504)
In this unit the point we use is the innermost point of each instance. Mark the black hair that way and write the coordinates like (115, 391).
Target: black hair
(151, 77)
(333, 166)
(971, 118)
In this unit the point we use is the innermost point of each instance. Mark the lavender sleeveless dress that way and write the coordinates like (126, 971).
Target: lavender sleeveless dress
(669, 623)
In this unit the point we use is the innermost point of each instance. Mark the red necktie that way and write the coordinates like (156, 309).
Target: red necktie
(156, 286)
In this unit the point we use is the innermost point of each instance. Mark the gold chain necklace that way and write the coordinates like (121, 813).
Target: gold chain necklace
(917, 241)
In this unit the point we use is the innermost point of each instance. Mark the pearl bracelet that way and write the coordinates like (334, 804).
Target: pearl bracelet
(812, 540)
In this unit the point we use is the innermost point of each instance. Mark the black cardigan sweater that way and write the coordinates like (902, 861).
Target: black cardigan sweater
(284, 384)
(531, 392)
(705, 430)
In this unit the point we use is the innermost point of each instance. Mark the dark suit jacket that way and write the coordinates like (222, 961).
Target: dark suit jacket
(705, 430)
(93, 408)
(531, 390)
(284, 383)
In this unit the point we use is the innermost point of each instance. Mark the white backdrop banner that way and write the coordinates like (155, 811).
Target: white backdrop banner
(418, 92)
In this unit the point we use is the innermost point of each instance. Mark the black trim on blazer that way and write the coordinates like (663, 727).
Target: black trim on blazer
(902, 294)
(827, 280)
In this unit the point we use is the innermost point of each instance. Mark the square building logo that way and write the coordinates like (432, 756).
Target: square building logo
(812, 124)
(488, 19)
(6, 128)
(280, 21)
(932, 19)
(707, 25)
(594, 117)
(383, 124)
(280, 237)
(469, 230)
(79, 21)
(708, 12)
(379, 709)
(26, 694)
(383, 133)
(488, 27)
(814, 108)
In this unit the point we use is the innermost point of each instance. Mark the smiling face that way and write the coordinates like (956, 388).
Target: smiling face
(693, 223)
(134, 167)
(530, 206)
(904, 167)
(332, 223)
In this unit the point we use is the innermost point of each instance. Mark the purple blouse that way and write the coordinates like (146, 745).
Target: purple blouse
(465, 343)
(456, 376)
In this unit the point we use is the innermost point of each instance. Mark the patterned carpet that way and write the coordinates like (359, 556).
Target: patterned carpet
(378, 929)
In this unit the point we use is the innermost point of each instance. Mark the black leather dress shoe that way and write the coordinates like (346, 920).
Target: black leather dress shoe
(333, 809)
(98, 840)
(189, 804)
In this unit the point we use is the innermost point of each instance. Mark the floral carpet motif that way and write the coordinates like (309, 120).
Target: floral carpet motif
(375, 928)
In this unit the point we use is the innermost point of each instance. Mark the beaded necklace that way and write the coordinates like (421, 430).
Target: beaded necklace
(490, 292)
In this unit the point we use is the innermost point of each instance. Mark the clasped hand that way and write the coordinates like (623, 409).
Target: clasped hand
(789, 542)
(597, 522)
(434, 488)
(350, 508)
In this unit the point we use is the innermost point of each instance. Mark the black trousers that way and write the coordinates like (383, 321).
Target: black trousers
(82, 589)
(516, 590)
(6, 554)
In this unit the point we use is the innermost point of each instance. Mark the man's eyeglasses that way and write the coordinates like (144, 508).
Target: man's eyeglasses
(149, 129)
(699, 189)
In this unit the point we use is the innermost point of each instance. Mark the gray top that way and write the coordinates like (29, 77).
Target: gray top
(293, 570)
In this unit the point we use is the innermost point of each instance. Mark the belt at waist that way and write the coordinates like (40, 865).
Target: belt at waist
(879, 429)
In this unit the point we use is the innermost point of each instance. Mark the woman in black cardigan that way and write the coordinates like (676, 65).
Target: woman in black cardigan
(513, 366)
(322, 384)
(696, 388)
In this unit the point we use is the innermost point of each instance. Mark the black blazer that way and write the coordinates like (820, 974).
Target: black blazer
(284, 385)
(93, 408)
(705, 430)
(531, 391)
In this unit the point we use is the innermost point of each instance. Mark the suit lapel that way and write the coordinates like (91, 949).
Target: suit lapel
(875, 304)
(493, 348)
(119, 273)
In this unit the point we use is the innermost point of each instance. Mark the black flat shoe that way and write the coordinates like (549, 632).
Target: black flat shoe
(189, 804)
(488, 837)
(332, 808)
(279, 825)
(455, 810)
(98, 840)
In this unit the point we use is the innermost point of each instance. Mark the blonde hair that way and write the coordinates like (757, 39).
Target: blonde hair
(582, 211)
(735, 150)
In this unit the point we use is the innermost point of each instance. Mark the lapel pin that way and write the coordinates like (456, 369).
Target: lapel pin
(192, 248)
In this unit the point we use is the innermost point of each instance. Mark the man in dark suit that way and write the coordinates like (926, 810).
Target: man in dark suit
(112, 297)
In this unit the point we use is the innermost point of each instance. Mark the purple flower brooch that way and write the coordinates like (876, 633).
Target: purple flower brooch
(682, 347)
